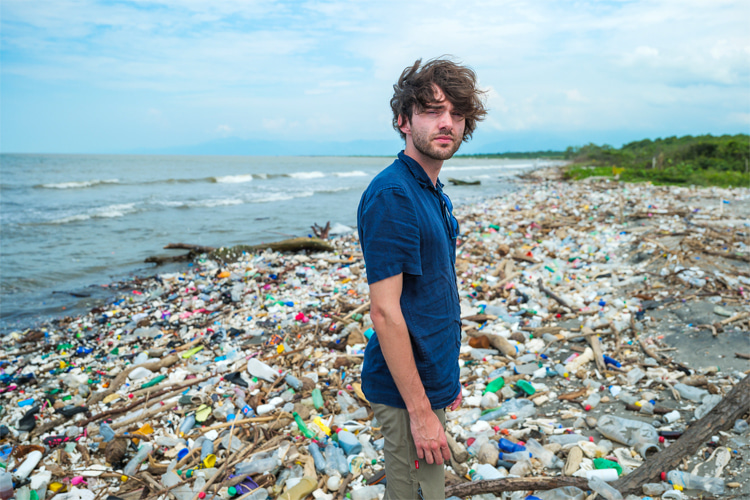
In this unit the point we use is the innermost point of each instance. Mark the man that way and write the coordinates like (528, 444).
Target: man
(408, 236)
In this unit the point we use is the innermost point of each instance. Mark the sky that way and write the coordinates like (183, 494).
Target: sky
(86, 76)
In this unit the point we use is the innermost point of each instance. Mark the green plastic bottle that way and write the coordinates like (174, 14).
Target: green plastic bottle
(302, 427)
(526, 387)
(603, 463)
(495, 385)
(317, 399)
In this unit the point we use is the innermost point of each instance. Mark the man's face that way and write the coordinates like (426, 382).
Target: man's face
(436, 131)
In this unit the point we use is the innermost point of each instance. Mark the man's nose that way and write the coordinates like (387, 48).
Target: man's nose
(446, 120)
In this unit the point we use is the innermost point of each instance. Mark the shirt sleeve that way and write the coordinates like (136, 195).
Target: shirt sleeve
(389, 235)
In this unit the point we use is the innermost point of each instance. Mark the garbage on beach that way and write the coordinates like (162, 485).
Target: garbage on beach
(242, 378)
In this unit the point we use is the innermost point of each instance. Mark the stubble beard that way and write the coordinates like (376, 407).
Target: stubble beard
(424, 145)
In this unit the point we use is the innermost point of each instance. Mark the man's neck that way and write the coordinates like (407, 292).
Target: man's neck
(430, 166)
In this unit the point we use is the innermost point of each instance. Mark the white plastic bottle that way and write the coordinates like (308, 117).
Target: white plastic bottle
(713, 485)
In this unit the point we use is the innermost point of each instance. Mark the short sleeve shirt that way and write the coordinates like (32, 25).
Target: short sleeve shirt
(405, 225)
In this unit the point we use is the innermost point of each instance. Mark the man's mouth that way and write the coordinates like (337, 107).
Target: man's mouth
(444, 139)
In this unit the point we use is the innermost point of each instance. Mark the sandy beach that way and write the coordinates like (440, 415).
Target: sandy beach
(591, 300)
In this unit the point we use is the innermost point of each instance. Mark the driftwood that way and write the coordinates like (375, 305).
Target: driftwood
(722, 417)
(514, 484)
(321, 232)
(154, 366)
(553, 295)
(231, 254)
(459, 182)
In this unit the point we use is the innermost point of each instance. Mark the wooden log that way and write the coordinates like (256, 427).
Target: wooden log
(514, 484)
(229, 254)
(722, 417)
(123, 375)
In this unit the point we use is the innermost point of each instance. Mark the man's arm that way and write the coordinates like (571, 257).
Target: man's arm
(385, 311)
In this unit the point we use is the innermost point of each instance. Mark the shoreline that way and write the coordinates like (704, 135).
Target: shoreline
(639, 264)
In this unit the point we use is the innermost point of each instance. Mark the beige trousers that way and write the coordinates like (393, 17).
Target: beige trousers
(403, 477)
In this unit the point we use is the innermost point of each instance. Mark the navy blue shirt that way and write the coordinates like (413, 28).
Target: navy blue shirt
(406, 226)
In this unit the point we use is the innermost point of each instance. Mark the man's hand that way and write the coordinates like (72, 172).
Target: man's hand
(455, 404)
(429, 438)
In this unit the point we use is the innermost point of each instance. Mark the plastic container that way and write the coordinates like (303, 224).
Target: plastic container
(605, 490)
(349, 443)
(187, 425)
(565, 493)
(640, 435)
(486, 472)
(692, 393)
(304, 487)
(592, 401)
(317, 398)
(713, 485)
(635, 375)
(135, 463)
(106, 432)
(510, 446)
(518, 456)
(495, 385)
(259, 369)
(542, 454)
(607, 475)
(320, 461)
(6, 485)
(367, 449)
(293, 382)
(28, 465)
(372, 492)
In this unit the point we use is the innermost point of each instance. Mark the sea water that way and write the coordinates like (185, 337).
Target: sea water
(72, 224)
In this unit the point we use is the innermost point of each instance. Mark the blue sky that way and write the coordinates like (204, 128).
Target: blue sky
(87, 76)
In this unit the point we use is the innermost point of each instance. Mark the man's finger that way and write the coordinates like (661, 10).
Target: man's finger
(446, 452)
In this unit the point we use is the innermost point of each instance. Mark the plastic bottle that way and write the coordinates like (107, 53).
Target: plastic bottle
(135, 463)
(187, 425)
(261, 462)
(293, 382)
(320, 462)
(635, 375)
(181, 492)
(512, 406)
(642, 436)
(28, 465)
(304, 487)
(346, 402)
(592, 401)
(207, 448)
(349, 442)
(372, 492)
(564, 493)
(335, 461)
(605, 490)
(106, 432)
(486, 472)
(302, 427)
(740, 426)
(564, 439)
(709, 402)
(317, 398)
(542, 454)
(525, 369)
(510, 446)
(713, 485)
(367, 449)
(259, 369)
(692, 393)
(518, 456)
(495, 385)
(39, 483)
(6, 485)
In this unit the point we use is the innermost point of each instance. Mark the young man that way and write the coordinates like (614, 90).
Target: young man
(408, 236)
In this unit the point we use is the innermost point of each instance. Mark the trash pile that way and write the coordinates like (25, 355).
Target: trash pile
(241, 379)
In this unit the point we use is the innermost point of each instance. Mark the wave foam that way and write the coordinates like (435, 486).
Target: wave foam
(353, 173)
(234, 179)
(78, 185)
(306, 175)
(110, 211)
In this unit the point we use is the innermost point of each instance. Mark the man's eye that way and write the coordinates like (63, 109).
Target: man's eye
(458, 115)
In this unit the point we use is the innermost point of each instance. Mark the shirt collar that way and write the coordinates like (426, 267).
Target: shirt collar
(418, 172)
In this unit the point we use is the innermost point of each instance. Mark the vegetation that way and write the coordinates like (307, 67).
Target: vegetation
(550, 155)
(702, 160)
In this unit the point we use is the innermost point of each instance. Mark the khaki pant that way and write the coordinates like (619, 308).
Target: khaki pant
(403, 478)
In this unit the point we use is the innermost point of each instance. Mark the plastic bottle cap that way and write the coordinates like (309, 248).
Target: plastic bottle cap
(232, 490)
(663, 476)
(661, 439)
(588, 408)
(202, 495)
(123, 478)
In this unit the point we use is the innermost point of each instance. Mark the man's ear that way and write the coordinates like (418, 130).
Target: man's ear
(404, 125)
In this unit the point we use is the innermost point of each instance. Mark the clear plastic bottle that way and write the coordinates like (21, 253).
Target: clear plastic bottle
(336, 460)
(28, 465)
(542, 454)
(367, 450)
(692, 393)
(317, 398)
(106, 432)
(320, 462)
(6, 485)
(634, 433)
(605, 490)
(564, 493)
(592, 401)
(487, 472)
(135, 463)
(713, 485)
(372, 492)
(187, 425)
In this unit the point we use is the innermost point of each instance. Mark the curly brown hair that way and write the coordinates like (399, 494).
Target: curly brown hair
(415, 90)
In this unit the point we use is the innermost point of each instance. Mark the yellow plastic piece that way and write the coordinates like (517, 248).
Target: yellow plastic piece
(223, 274)
(323, 427)
(209, 461)
(677, 487)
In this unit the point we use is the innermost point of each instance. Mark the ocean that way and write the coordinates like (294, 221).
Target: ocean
(72, 224)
